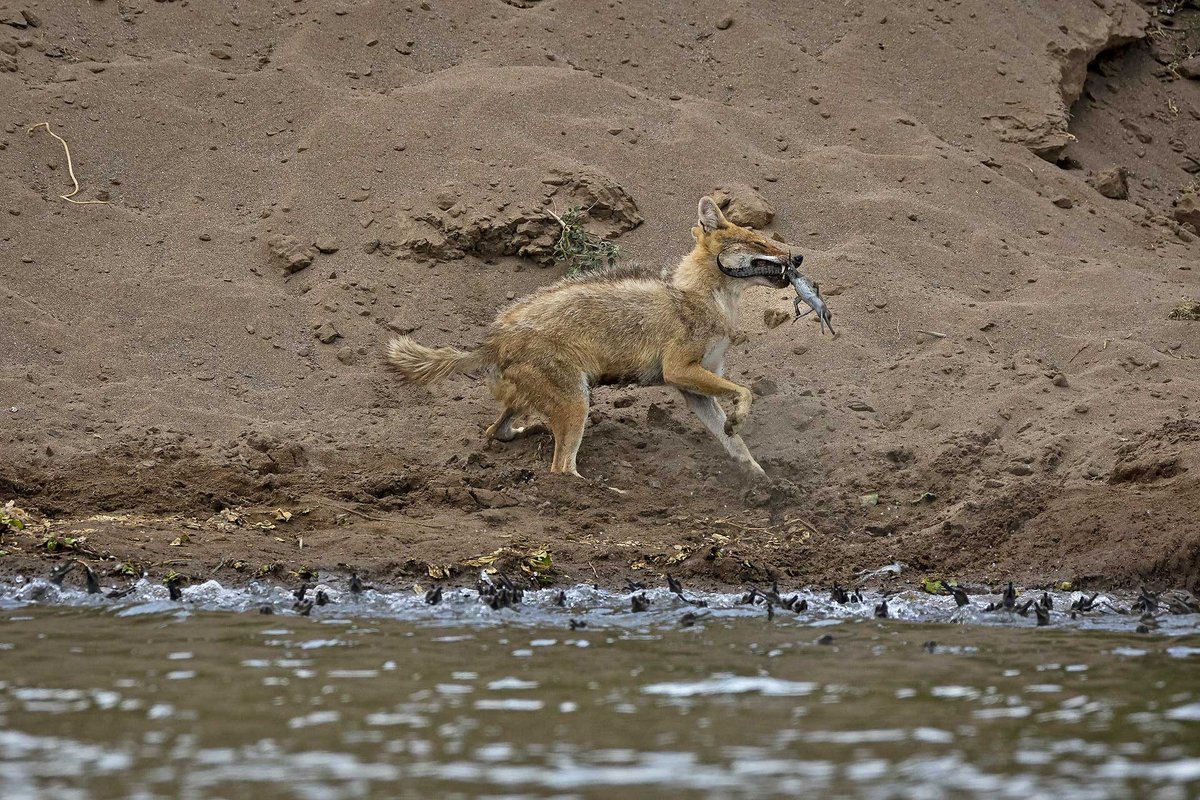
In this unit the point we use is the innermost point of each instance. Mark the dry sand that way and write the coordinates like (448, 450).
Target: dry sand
(1007, 382)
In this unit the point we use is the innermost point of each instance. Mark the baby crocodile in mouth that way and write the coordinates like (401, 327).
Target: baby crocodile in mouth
(810, 293)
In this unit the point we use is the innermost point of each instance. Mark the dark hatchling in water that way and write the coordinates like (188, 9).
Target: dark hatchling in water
(1008, 602)
(117, 594)
(497, 591)
(677, 589)
(772, 597)
(61, 571)
(1146, 602)
(90, 579)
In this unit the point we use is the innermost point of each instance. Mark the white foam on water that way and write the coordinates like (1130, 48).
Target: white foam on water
(586, 604)
(732, 684)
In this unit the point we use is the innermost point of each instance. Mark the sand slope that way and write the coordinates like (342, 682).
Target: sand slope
(156, 359)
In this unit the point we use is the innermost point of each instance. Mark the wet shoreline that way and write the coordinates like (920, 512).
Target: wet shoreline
(497, 599)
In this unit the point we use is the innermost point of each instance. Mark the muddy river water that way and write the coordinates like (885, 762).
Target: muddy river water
(381, 695)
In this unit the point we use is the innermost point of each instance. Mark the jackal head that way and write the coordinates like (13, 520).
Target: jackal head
(742, 253)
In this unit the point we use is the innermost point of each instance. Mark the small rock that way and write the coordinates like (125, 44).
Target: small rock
(1112, 183)
(31, 19)
(488, 498)
(859, 405)
(1062, 201)
(1082, 408)
(744, 206)
(289, 254)
(1138, 132)
(1190, 68)
(1060, 380)
(1020, 469)
(724, 23)
(345, 355)
(764, 387)
(221, 54)
(204, 237)
(1187, 210)
(774, 317)
(325, 245)
(402, 326)
(326, 333)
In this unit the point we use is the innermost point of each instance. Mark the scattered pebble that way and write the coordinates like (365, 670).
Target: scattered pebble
(326, 333)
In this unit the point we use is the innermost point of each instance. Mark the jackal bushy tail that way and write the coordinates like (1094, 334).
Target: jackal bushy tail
(422, 365)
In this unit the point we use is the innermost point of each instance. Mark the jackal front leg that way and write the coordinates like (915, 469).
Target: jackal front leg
(692, 377)
(713, 416)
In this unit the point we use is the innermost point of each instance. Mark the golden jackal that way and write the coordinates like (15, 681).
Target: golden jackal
(544, 352)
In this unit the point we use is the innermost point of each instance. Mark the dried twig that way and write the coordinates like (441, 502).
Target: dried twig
(805, 523)
(70, 168)
(740, 527)
(1086, 345)
(934, 334)
(409, 520)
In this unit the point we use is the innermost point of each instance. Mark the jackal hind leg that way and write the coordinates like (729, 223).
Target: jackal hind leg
(565, 402)
(567, 422)
(710, 413)
(506, 387)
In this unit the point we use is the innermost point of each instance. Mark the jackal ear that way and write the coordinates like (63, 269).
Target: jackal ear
(711, 218)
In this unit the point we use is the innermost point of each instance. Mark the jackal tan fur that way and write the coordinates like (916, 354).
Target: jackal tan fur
(543, 353)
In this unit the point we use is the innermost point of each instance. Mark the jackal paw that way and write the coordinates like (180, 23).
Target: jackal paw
(755, 469)
(734, 423)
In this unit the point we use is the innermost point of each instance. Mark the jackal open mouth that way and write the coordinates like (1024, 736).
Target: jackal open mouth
(785, 272)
